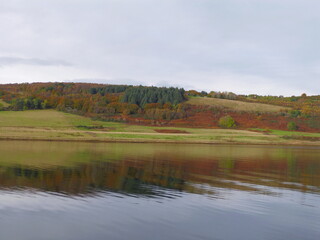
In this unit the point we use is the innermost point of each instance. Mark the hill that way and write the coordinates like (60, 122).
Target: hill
(162, 106)
(236, 105)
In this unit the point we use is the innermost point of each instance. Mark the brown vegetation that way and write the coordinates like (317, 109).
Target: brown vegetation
(170, 131)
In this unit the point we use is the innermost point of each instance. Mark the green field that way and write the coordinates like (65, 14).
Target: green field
(287, 133)
(43, 118)
(55, 125)
(235, 105)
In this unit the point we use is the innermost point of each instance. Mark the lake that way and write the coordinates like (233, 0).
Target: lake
(81, 191)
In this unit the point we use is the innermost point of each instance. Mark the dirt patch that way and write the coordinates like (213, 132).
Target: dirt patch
(170, 131)
(265, 131)
(101, 128)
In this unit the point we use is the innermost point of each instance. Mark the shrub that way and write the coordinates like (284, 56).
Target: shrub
(227, 122)
(292, 126)
(295, 113)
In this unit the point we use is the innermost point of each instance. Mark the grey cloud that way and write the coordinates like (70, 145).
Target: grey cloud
(194, 43)
(108, 81)
(31, 61)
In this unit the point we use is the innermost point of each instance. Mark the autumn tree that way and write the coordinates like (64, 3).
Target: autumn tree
(227, 122)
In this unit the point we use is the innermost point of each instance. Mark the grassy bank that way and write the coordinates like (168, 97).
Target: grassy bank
(58, 126)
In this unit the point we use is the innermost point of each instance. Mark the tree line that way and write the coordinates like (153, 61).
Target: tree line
(96, 99)
(143, 95)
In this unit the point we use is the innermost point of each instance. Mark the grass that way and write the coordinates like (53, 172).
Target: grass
(287, 133)
(235, 105)
(4, 104)
(44, 118)
(54, 125)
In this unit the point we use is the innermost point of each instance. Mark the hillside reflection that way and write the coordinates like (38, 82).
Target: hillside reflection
(145, 169)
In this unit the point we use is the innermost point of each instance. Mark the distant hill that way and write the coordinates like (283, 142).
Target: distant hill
(165, 106)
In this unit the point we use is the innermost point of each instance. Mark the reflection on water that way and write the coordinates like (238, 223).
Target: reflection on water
(158, 191)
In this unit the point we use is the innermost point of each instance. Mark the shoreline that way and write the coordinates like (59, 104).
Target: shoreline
(50, 125)
(159, 141)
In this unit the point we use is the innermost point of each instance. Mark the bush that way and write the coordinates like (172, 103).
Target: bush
(292, 126)
(295, 113)
(227, 122)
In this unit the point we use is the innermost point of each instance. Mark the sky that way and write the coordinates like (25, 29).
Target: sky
(268, 47)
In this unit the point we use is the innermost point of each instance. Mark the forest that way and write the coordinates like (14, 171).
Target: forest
(163, 105)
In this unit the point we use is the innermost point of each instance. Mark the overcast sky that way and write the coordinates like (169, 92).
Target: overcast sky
(243, 46)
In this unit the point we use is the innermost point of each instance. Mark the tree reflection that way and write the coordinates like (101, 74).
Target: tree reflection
(165, 170)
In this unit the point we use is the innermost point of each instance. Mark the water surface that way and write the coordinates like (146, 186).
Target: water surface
(51, 190)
